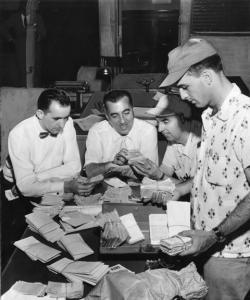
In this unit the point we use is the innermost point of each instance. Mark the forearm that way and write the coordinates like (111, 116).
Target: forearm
(238, 217)
(184, 187)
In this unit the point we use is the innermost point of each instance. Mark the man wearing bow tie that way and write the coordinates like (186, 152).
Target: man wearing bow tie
(43, 153)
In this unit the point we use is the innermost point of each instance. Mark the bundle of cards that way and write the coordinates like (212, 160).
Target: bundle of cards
(40, 223)
(176, 244)
(36, 250)
(78, 271)
(135, 234)
(114, 233)
(150, 186)
(68, 290)
(75, 245)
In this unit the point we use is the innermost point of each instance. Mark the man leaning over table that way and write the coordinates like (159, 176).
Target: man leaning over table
(174, 118)
(108, 142)
(41, 148)
(220, 195)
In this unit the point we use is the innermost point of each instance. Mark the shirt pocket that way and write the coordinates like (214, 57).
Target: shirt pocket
(216, 171)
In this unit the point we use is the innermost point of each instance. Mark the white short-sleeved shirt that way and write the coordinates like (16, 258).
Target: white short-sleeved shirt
(183, 159)
(36, 160)
(104, 142)
(220, 182)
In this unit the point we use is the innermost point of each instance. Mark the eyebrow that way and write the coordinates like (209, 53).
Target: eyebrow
(116, 113)
(57, 118)
(162, 119)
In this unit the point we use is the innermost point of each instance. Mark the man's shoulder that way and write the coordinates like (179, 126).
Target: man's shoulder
(24, 124)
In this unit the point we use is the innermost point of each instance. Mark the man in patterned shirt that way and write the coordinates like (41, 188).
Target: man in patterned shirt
(220, 193)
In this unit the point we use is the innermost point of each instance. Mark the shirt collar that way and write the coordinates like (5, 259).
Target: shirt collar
(118, 136)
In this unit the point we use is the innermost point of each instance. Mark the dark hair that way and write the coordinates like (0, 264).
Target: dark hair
(212, 62)
(49, 95)
(116, 95)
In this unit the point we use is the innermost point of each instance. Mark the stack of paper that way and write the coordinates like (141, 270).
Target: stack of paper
(175, 244)
(30, 288)
(178, 217)
(115, 233)
(158, 228)
(75, 245)
(52, 200)
(67, 290)
(78, 271)
(150, 186)
(133, 229)
(40, 223)
(120, 195)
(36, 250)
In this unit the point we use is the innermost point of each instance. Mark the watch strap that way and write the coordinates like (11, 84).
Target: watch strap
(220, 237)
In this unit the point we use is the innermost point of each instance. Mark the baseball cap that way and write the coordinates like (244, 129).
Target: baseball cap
(184, 56)
(170, 105)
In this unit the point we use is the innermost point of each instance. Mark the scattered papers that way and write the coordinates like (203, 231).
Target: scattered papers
(115, 182)
(158, 228)
(176, 244)
(29, 288)
(78, 271)
(67, 290)
(86, 123)
(178, 217)
(89, 200)
(36, 250)
(75, 245)
(75, 218)
(40, 223)
(50, 211)
(133, 229)
(149, 186)
(117, 194)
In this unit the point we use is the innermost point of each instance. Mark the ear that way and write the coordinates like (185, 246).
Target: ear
(105, 112)
(182, 118)
(207, 76)
(40, 114)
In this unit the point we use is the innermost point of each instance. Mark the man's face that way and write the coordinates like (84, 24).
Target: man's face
(170, 127)
(120, 115)
(55, 119)
(194, 90)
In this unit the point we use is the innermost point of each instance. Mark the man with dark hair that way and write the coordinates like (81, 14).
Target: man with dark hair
(220, 194)
(43, 154)
(183, 135)
(108, 142)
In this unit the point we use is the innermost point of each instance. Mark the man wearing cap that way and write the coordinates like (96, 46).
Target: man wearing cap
(183, 135)
(220, 193)
(108, 142)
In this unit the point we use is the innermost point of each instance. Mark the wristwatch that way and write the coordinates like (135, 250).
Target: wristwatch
(219, 236)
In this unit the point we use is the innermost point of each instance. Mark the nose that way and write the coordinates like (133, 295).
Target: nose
(183, 94)
(122, 121)
(62, 123)
(160, 126)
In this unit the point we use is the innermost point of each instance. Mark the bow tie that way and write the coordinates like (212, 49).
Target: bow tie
(43, 135)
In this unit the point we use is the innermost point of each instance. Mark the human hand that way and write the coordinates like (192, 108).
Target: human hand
(150, 169)
(80, 186)
(127, 171)
(120, 158)
(201, 241)
(159, 197)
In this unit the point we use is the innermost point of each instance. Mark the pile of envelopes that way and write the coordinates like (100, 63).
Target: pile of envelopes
(37, 250)
(66, 290)
(78, 271)
(75, 245)
(40, 223)
(175, 244)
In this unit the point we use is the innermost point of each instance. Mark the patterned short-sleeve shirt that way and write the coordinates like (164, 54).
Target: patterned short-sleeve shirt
(220, 182)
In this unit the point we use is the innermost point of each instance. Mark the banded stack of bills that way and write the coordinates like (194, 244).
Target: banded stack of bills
(36, 250)
(175, 244)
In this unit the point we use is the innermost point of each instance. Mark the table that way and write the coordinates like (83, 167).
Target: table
(21, 267)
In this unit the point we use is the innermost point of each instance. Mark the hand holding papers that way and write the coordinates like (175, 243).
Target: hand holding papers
(75, 245)
(36, 250)
(40, 223)
(176, 244)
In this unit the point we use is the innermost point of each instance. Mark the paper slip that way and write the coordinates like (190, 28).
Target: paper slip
(67, 290)
(86, 123)
(133, 229)
(117, 268)
(178, 217)
(69, 229)
(49, 199)
(9, 195)
(92, 210)
(75, 245)
(76, 218)
(158, 228)
(158, 96)
(36, 250)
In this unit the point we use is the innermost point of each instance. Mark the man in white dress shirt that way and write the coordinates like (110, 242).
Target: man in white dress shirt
(108, 142)
(43, 153)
